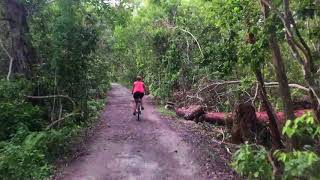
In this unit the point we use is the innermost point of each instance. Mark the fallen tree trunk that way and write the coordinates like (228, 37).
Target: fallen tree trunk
(263, 117)
(196, 112)
(218, 118)
(226, 118)
(191, 112)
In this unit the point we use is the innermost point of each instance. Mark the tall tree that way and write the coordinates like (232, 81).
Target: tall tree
(21, 51)
(279, 68)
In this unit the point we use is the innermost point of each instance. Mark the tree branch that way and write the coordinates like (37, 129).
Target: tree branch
(269, 84)
(54, 96)
(295, 51)
(216, 84)
(256, 93)
(298, 86)
(59, 120)
(193, 38)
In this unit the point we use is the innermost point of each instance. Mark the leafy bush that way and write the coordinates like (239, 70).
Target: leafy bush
(22, 162)
(15, 112)
(13, 116)
(302, 126)
(252, 161)
(29, 154)
(299, 164)
(14, 90)
(95, 105)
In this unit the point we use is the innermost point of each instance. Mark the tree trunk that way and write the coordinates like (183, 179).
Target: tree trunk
(274, 131)
(284, 89)
(21, 51)
(281, 77)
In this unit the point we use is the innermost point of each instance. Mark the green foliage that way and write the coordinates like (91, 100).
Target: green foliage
(29, 155)
(15, 112)
(67, 37)
(14, 90)
(252, 161)
(159, 42)
(22, 162)
(303, 164)
(13, 116)
(299, 164)
(304, 125)
(96, 105)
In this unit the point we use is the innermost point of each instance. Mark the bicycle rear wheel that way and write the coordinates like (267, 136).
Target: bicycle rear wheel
(139, 110)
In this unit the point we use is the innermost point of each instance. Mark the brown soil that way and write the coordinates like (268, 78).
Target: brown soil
(155, 148)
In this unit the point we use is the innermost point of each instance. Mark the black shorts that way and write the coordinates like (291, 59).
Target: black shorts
(138, 95)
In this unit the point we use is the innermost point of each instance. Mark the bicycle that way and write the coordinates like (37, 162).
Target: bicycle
(138, 108)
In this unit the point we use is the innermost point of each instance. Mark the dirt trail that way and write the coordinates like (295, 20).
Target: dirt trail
(123, 148)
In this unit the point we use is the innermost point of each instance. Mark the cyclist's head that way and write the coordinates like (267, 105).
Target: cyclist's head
(139, 78)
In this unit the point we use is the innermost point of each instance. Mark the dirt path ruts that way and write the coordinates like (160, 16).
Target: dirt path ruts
(123, 148)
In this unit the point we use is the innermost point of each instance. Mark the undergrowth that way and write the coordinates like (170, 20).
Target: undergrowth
(28, 149)
(252, 161)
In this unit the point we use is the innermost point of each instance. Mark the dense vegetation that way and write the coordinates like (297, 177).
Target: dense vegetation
(54, 74)
(58, 57)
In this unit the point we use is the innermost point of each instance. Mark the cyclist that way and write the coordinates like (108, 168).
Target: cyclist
(138, 90)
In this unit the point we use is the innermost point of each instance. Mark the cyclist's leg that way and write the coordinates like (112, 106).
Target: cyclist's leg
(134, 108)
(134, 104)
(142, 107)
